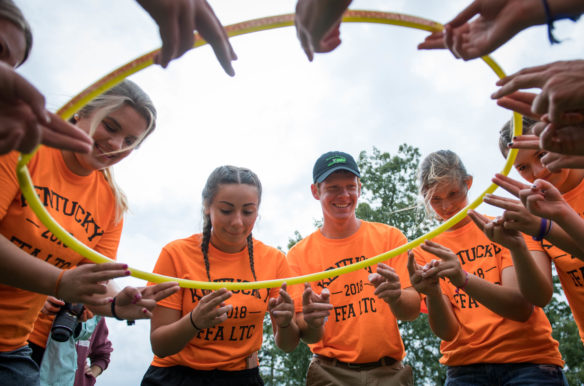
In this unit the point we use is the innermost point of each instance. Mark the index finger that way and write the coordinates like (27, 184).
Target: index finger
(465, 15)
(411, 263)
(479, 220)
(213, 32)
(508, 184)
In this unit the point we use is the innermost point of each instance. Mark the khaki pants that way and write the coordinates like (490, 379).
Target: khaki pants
(323, 373)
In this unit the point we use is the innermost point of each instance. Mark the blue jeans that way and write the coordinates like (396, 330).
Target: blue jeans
(505, 374)
(17, 368)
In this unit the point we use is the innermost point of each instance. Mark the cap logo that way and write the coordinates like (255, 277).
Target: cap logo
(336, 160)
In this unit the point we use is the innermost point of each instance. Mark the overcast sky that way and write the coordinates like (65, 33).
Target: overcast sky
(276, 116)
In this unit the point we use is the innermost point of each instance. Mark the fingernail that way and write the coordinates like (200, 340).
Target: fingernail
(110, 300)
(47, 117)
(125, 266)
(127, 273)
(510, 144)
(144, 310)
(370, 277)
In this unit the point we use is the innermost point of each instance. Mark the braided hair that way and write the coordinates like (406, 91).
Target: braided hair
(224, 175)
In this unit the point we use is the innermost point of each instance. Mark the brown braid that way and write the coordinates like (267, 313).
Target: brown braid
(205, 244)
(250, 252)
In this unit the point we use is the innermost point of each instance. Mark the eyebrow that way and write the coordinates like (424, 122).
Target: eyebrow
(230, 204)
(112, 120)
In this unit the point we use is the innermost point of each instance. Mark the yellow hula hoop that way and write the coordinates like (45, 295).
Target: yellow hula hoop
(256, 25)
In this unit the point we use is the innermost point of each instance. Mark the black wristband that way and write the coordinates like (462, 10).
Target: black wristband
(113, 308)
(193, 322)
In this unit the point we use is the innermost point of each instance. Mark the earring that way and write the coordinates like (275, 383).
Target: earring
(75, 118)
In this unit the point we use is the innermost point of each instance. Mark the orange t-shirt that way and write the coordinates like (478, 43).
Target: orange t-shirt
(227, 345)
(484, 336)
(361, 328)
(570, 269)
(83, 205)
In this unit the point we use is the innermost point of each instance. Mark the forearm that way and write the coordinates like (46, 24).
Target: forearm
(535, 285)
(572, 8)
(561, 239)
(172, 338)
(287, 337)
(571, 229)
(407, 306)
(21, 270)
(442, 320)
(507, 302)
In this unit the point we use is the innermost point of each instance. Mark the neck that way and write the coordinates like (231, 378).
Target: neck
(340, 229)
(460, 224)
(574, 179)
(73, 164)
(227, 248)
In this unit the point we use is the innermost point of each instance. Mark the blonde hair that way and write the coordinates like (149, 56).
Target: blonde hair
(10, 12)
(439, 166)
(125, 93)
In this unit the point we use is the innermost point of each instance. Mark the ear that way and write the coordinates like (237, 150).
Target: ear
(206, 211)
(468, 182)
(314, 190)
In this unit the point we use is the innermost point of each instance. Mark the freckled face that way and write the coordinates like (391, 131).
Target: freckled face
(233, 213)
(12, 43)
(449, 198)
(117, 131)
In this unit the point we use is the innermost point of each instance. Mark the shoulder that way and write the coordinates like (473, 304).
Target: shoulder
(382, 230)
(305, 242)
(263, 249)
(179, 245)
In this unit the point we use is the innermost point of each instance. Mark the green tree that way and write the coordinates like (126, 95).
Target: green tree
(565, 331)
(390, 196)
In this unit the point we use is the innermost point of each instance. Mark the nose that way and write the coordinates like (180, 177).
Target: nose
(237, 220)
(538, 170)
(115, 142)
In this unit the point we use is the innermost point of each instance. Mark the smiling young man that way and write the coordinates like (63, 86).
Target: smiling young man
(360, 341)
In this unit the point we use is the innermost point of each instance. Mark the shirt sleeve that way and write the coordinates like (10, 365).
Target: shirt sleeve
(8, 181)
(165, 266)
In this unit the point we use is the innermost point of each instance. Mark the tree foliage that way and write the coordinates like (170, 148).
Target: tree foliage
(389, 195)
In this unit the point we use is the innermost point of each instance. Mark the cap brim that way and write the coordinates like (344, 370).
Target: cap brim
(325, 175)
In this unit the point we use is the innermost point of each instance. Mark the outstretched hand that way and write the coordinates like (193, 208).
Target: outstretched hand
(315, 307)
(318, 24)
(78, 285)
(448, 265)
(138, 302)
(561, 86)
(211, 309)
(282, 308)
(25, 123)
(427, 285)
(480, 28)
(387, 284)
(497, 231)
(178, 19)
(544, 200)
